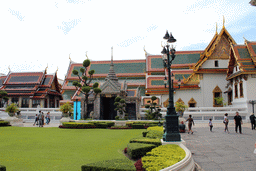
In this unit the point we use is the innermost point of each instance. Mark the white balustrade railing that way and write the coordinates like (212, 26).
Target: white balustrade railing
(205, 113)
(28, 114)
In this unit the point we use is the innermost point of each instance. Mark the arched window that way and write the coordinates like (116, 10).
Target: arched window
(192, 102)
(217, 93)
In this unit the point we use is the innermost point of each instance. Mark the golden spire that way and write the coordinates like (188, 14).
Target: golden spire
(86, 54)
(57, 69)
(223, 21)
(216, 28)
(69, 57)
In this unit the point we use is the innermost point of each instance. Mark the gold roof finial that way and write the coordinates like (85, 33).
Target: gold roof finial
(9, 68)
(57, 69)
(216, 28)
(145, 50)
(223, 21)
(46, 68)
(69, 57)
(86, 54)
(245, 40)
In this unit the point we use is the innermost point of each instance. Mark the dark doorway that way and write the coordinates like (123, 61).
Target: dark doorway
(89, 109)
(131, 110)
(107, 107)
(52, 101)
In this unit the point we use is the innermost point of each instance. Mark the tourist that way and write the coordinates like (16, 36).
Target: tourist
(225, 121)
(190, 121)
(210, 124)
(238, 122)
(47, 117)
(252, 118)
(40, 118)
(36, 120)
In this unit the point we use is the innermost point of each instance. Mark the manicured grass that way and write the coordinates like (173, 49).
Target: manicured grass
(23, 148)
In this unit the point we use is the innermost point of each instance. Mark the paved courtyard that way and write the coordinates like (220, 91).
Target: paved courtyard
(220, 151)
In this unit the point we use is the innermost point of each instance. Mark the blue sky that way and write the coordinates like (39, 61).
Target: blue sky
(36, 33)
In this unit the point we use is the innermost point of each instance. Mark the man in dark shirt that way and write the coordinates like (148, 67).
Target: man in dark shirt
(252, 118)
(238, 122)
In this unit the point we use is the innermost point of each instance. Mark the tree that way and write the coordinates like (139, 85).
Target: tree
(3, 95)
(120, 107)
(83, 85)
(180, 107)
(253, 2)
(153, 112)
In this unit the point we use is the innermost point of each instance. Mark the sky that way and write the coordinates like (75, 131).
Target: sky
(37, 34)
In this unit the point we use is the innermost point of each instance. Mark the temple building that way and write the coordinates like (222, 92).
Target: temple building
(223, 69)
(32, 89)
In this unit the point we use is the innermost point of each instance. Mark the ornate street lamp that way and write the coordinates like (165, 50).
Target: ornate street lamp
(171, 119)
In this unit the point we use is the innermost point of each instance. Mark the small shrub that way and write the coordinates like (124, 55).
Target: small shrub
(110, 165)
(2, 168)
(117, 118)
(139, 166)
(137, 150)
(4, 123)
(144, 133)
(125, 150)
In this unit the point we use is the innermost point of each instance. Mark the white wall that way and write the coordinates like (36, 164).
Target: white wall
(211, 63)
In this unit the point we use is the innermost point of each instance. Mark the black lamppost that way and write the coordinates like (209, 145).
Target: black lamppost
(252, 102)
(172, 119)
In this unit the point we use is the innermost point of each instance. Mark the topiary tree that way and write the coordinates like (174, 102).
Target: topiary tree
(120, 107)
(3, 96)
(83, 85)
(153, 112)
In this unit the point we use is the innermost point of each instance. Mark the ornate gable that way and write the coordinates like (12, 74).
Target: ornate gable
(217, 49)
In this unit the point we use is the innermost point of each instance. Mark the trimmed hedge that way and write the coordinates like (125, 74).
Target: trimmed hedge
(2, 168)
(120, 127)
(155, 134)
(110, 165)
(137, 150)
(145, 123)
(138, 126)
(77, 125)
(101, 124)
(144, 133)
(4, 123)
(163, 157)
(143, 140)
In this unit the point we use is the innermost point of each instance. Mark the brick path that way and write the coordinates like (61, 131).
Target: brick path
(220, 151)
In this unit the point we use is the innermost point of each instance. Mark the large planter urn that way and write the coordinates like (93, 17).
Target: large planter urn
(11, 114)
(65, 115)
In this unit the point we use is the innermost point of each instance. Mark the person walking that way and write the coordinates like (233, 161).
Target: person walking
(40, 118)
(210, 124)
(252, 118)
(36, 120)
(238, 122)
(47, 117)
(43, 118)
(225, 121)
(190, 122)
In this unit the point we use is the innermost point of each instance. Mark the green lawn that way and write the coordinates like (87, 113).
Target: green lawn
(24, 149)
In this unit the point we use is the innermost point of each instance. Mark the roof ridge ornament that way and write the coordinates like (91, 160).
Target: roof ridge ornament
(223, 21)
(86, 55)
(9, 68)
(216, 28)
(46, 69)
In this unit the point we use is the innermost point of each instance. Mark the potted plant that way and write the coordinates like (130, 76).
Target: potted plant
(180, 107)
(66, 109)
(12, 109)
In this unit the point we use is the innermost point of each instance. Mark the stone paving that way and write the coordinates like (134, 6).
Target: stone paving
(220, 151)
